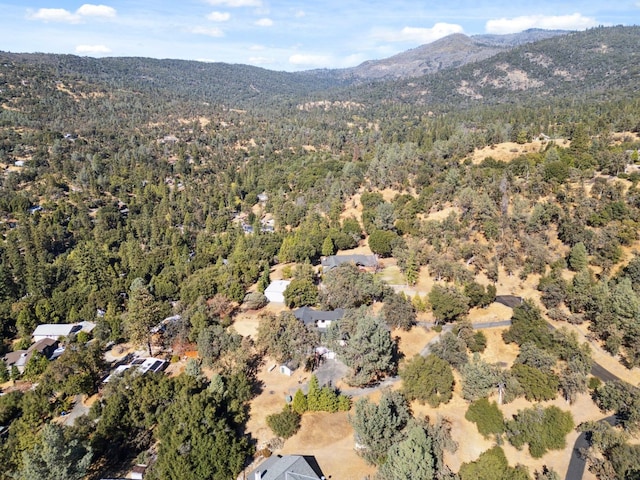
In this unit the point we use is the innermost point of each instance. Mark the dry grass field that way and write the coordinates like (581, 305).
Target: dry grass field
(330, 437)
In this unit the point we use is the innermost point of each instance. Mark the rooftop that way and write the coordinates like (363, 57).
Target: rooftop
(361, 260)
(288, 467)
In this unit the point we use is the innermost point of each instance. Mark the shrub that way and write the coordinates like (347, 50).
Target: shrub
(284, 424)
(537, 384)
(594, 383)
(254, 301)
(427, 379)
(487, 417)
(543, 429)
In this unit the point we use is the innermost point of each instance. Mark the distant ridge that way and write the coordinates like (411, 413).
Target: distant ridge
(452, 51)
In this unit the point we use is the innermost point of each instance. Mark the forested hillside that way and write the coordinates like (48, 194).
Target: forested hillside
(133, 190)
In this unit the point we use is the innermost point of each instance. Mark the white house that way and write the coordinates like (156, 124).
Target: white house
(55, 330)
(275, 291)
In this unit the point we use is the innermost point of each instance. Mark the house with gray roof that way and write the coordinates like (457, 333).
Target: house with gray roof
(364, 261)
(19, 358)
(288, 467)
(319, 319)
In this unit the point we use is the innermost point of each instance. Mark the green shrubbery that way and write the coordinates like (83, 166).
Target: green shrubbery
(487, 417)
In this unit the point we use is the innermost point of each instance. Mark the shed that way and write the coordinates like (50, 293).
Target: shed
(288, 368)
(138, 472)
(275, 291)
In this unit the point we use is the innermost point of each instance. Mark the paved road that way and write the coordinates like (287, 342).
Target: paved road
(79, 409)
(333, 370)
(577, 464)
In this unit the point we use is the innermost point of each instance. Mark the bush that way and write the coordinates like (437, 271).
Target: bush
(381, 242)
(543, 429)
(284, 424)
(594, 383)
(477, 342)
(491, 465)
(427, 379)
(254, 301)
(487, 417)
(537, 384)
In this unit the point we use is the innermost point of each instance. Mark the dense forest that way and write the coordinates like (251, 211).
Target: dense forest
(133, 190)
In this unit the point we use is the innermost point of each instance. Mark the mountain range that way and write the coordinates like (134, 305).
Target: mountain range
(451, 51)
(457, 69)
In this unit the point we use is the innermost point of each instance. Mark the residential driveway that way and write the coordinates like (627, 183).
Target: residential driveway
(332, 371)
(79, 409)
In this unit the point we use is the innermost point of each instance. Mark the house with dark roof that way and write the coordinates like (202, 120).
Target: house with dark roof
(19, 358)
(319, 319)
(288, 467)
(369, 262)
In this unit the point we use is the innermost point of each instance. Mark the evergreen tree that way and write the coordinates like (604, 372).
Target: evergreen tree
(299, 403)
(578, 257)
(143, 313)
(328, 247)
(427, 379)
(313, 395)
(411, 459)
(370, 353)
(378, 427)
(55, 458)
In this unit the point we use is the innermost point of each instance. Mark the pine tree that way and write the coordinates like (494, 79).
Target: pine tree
(328, 248)
(578, 258)
(328, 400)
(55, 458)
(412, 270)
(411, 459)
(313, 395)
(299, 403)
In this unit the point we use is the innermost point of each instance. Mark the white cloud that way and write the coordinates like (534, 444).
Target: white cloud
(550, 22)
(264, 22)
(65, 16)
(311, 60)
(219, 16)
(89, 49)
(421, 34)
(300, 14)
(209, 31)
(257, 48)
(89, 10)
(236, 3)
(53, 15)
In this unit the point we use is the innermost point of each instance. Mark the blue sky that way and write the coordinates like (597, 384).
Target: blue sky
(280, 34)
